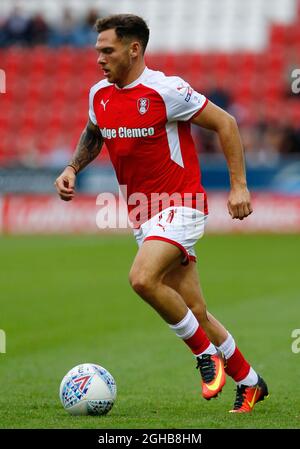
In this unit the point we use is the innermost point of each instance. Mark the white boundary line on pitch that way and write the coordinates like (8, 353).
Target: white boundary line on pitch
(2, 342)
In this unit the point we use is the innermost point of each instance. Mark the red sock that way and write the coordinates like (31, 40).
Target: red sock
(236, 366)
(198, 342)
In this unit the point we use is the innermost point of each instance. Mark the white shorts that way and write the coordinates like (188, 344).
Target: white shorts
(180, 226)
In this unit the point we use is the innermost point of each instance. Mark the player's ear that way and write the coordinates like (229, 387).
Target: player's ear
(135, 48)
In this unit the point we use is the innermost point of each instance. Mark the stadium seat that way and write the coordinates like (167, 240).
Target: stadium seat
(218, 44)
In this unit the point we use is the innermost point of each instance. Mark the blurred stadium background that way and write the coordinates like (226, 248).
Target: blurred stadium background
(241, 55)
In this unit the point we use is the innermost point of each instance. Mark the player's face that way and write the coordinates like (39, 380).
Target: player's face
(114, 57)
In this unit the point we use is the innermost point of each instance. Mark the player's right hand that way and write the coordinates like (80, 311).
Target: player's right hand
(65, 184)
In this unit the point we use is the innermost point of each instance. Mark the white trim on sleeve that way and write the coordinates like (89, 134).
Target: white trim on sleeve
(94, 89)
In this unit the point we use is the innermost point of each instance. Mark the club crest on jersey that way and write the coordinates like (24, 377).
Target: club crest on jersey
(143, 105)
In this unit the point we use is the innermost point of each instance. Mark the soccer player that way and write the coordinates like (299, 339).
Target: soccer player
(144, 118)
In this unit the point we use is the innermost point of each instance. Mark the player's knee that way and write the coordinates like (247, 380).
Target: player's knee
(142, 283)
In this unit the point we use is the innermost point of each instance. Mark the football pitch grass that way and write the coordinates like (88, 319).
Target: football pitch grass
(66, 300)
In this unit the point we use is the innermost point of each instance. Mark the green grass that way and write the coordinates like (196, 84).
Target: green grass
(66, 300)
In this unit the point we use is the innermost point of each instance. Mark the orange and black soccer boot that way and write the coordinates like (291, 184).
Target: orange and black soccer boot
(213, 374)
(247, 397)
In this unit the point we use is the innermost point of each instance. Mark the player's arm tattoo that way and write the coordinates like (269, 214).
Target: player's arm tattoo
(88, 147)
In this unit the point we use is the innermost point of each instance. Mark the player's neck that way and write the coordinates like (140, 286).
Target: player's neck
(132, 75)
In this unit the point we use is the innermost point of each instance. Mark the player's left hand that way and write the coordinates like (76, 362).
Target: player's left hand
(239, 203)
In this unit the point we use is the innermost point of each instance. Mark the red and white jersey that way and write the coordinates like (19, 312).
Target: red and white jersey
(146, 128)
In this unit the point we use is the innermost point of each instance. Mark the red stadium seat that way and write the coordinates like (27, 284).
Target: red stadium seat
(49, 102)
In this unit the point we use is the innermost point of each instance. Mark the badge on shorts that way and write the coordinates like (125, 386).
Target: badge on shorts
(143, 105)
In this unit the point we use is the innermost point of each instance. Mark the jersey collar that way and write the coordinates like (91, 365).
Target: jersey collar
(135, 82)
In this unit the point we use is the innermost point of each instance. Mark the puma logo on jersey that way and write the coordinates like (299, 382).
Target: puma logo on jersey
(104, 103)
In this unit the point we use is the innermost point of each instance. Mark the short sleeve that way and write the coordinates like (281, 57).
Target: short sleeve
(181, 100)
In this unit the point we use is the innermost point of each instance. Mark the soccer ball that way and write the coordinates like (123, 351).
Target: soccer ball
(88, 389)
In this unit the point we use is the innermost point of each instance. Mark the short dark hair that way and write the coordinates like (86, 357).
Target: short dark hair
(125, 25)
